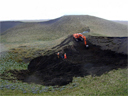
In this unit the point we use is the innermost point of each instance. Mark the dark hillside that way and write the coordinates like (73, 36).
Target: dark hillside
(98, 59)
(81, 61)
(7, 25)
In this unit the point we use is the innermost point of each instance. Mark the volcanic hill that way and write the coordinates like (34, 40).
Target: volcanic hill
(57, 28)
(107, 50)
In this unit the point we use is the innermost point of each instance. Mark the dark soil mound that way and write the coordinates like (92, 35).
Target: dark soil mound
(53, 70)
(116, 44)
(80, 62)
(95, 61)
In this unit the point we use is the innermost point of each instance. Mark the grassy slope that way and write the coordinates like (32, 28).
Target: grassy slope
(5, 25)
(33, 33)
(29, 32)
(105, 27)
(106, 85)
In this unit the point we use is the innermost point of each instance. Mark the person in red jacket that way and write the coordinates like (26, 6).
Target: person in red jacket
(65, 56)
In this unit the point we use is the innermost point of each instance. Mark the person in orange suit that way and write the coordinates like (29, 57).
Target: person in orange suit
(65, 56)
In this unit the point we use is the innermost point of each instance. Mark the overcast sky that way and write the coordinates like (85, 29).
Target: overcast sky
(50, 9)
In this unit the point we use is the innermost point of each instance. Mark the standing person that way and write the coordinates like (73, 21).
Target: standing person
(58, 55)
(65, 56)
(61, 55)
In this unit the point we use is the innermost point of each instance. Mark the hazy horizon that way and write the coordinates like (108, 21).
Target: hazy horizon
(51, 9)
(36, 20)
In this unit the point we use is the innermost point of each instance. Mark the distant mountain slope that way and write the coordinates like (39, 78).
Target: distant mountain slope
(96, 25)
(62, 26)
(121, 22)
(5, 25)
